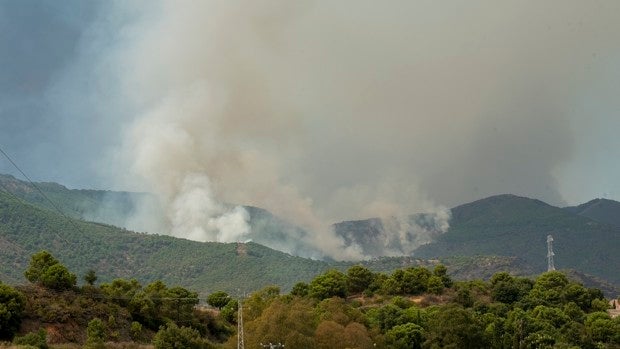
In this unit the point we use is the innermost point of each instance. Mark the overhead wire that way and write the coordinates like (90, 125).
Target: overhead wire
(66, 217)
(44, 196)
(21, 200)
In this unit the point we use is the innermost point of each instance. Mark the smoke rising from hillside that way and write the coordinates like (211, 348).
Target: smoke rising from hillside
(324, 111)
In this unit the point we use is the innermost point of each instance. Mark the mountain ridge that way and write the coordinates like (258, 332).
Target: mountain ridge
(114, 252)
(502, 225)
(517, 226)
(601, 210)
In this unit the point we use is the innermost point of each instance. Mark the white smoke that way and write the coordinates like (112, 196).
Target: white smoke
(196, 215)
(178, 143)
(325, 111)
(396, 235)
(403, 235)
(163, 148)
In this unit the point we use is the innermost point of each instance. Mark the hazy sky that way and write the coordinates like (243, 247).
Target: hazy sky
(317, 109)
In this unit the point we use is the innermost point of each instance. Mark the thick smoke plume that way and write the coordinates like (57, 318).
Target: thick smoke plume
(394, 236)
(164, 147)
(325, 111)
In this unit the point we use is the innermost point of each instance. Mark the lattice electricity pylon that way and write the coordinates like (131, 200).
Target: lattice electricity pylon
(240, 341)
(550, 254)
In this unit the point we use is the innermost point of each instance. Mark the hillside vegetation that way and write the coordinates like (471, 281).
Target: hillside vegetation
(103, 206)
(504, 232)
(115, 252)
(601, 210)
(508, 225)
(413, 307)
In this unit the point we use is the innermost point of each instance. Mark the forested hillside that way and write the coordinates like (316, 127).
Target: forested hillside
(503, 232)
(413, 307)
(97, 205)
(601, 210)
(509, 225)
(114, 252)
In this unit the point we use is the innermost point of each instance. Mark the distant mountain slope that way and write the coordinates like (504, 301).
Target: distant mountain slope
(104, 206)
(113, 252)
(610, 290)
(600, 210)
(505, 225)
(508, 225)
(118, 208)
(279, 234)
(392, 236)
(366, 233)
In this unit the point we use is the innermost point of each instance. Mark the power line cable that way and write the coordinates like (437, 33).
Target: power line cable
(4, 189)
(21, 200)
(44, 196)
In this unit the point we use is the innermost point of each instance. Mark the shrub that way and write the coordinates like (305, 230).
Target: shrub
(33, 339)
(408, 335)
(58, 277)
(90, 277)
(95, 334)
(358, 278)
(228, 311)
(330, 284)
(174, 337)
(47, 271)
(218, 299)
(300, 289)
(12, 303)
(435, 285)
(136, 331)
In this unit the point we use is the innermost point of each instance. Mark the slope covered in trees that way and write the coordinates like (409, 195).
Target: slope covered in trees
(423, 308)
(113, 252)
(498, 233)
(508, 225)
(99, 205)
(413, 307)
(601, 210)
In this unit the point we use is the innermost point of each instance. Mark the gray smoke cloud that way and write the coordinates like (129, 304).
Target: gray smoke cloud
(323, 111)
(394, 236)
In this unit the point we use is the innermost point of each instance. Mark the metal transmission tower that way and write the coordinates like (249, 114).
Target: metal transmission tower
(240, 343)
(550, 254)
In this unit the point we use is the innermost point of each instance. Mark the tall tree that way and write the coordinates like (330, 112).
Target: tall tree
(90, 277)
(358, 278)
(47, 271)
(455, 327)
(12, 304)
(218, 299)
(39, 263)
(330, 284)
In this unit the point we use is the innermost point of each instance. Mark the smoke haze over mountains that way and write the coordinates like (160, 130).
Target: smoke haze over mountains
(320, 111)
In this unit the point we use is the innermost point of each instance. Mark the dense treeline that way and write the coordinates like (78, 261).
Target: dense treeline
(417, 308)
(409, 308)
(53, 309)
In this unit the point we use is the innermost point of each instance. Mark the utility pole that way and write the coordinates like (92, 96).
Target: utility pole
(550, 254)
(240, 341)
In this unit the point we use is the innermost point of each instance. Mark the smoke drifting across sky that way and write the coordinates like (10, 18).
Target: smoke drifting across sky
(323, 111)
